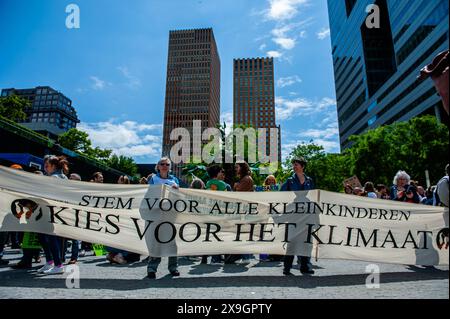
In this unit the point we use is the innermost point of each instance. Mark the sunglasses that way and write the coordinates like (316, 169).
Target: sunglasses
(164, 164)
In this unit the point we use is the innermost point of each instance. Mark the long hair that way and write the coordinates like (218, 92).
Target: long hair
(244, 169)
(60, 162)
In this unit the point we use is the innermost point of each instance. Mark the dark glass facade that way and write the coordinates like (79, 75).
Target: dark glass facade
(376, 70)
(51, 112)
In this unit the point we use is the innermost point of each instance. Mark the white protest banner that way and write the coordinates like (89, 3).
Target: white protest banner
(161, 221)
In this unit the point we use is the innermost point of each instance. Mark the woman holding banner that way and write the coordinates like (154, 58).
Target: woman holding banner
(162, 177)
(55, 167)
(298, 182)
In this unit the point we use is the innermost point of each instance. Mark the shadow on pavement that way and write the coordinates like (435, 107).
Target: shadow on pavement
(20, 279)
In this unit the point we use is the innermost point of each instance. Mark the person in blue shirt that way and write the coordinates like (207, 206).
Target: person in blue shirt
(162, 177)
(298, 182)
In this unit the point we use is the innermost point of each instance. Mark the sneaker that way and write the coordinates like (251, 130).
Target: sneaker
(151, 275)
(118, 258)
(57, 270)
(82, 253)
(72, 262)
(175, 273)
(287, 273)
(46, 267)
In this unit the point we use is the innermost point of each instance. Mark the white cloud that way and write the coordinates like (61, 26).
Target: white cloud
(98, 84)
(274, 54)
(287, 109)
(283, 9)
(128, 138)
(285, 43)
(132, 81)
(323, 33)
(303, 34)
(262, 47)
(288, 81)
(328, 137)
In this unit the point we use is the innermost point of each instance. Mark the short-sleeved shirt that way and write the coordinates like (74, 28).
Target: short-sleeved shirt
(216, 185)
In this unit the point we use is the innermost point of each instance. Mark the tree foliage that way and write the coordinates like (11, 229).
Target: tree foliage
(13, 108)
(123, 163)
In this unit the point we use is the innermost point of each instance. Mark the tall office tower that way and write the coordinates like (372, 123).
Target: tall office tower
(51, 112)
(254, 99)
(376, 69)
(192, 85)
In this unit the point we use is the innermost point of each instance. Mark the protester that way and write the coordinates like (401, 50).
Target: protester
(348, 189)
(358, 191)
(400, 183)
(97, 177)
(221, 177)
(369, 190)
(55, 167)
(429, 196)
(28, 254)
(382, 191)
(442, 188)
(244, 184)
(197, 183)
(118, 256)
(411, 195)
(162, 177)
(143, 181)
(123, 180)
(298, 182)
(75, 245)
(214, 183)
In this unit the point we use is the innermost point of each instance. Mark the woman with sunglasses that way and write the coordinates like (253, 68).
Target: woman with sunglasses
(162, 177)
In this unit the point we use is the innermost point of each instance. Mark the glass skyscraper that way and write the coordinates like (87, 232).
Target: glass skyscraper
(376, 69)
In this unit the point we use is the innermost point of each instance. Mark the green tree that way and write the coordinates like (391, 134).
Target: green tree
(13, 107)
(78, 141)
(123, 163)
(327, 170)
(414, 146)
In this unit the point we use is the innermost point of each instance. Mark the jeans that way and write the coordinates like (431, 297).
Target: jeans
(305, 262)
(153, 263)
(52, 248)
(74, 249)
(3, 239)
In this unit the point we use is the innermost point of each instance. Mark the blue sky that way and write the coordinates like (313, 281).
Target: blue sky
(113, 67)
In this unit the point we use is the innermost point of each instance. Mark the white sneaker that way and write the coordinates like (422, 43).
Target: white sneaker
(46, 267)
(57, 270)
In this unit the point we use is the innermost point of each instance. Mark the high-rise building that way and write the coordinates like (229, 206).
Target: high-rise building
(51, 112)
(376, 69)
(193, 83)
(254, 99)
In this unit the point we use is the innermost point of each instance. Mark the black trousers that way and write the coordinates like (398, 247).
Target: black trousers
(303, 260)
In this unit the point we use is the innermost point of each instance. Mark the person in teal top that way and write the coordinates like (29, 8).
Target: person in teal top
(214, 183)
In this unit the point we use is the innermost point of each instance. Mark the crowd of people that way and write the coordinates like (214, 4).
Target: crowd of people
(56, 248)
